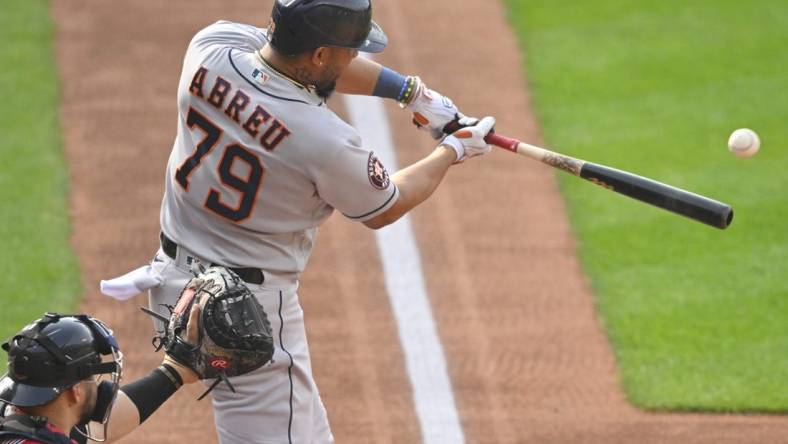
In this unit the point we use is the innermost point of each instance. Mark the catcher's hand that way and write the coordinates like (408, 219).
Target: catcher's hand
(233, 335)
(192, 337)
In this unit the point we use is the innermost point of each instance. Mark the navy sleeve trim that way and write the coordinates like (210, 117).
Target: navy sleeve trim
(393, 193)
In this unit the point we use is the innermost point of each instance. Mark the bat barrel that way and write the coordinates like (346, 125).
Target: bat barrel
(676, 200)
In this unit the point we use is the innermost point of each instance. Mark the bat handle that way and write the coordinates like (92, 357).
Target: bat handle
(498, 140)
(504, 142)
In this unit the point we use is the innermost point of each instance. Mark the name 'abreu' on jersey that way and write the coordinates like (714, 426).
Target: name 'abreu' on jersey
(259, 161)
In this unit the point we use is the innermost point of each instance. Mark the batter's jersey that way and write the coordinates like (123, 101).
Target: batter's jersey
(259, 161)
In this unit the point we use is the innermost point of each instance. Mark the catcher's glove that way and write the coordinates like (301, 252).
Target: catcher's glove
(234, 331)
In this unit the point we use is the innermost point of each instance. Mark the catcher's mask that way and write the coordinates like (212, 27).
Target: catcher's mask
(57, 352)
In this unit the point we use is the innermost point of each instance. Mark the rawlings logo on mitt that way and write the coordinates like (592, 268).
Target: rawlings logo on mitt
(234, 332)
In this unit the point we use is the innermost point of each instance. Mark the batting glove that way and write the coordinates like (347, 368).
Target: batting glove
(431, 110)
(469, 141)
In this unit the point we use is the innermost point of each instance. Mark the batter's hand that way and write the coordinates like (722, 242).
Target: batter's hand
(192, 337)
(431, 110)
(469, 141)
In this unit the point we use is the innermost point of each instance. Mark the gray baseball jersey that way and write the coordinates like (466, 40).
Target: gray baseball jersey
(259, 161)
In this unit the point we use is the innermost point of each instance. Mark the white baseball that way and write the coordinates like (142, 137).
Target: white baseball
(744, 142)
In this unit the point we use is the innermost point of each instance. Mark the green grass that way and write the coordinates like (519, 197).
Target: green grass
(39, 268)
(698, 317)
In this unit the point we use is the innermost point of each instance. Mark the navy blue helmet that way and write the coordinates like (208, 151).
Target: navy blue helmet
(302, 25)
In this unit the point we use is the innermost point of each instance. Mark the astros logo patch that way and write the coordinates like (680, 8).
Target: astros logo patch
(378, 176)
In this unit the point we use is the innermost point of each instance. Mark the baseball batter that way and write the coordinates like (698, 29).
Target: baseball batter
(259, 162)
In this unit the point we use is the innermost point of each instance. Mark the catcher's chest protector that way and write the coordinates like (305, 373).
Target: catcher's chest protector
(17, 427)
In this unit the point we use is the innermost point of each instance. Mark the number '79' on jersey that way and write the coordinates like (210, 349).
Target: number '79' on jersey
(247, 187)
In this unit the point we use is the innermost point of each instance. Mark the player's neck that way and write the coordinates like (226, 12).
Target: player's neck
(293, 68)
(57, 413)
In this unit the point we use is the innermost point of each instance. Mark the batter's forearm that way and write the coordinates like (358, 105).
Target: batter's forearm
(416, 183)
(360, 77)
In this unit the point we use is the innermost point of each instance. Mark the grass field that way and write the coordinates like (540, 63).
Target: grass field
(698, 317)
(39, 268)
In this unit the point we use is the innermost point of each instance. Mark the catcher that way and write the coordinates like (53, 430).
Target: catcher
(63, 375)
(64, 371)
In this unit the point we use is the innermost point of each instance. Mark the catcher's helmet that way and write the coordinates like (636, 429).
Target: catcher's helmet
(53, 354)
(303, 25)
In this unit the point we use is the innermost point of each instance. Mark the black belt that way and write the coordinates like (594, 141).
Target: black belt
(249, 275)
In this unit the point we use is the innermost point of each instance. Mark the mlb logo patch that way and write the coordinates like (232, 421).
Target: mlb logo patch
(261, 77)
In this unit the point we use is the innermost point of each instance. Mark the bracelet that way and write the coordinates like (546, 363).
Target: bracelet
(409, 89)
(402, 90)
(172, 374)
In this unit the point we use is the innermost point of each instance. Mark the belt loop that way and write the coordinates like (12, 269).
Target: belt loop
(184, 256)
(179, 253)
(168, 246)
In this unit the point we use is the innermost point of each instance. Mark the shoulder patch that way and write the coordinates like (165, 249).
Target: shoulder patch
(378, 176)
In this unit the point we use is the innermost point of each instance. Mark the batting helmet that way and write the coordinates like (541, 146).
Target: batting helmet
(303, 25)
(53, 354)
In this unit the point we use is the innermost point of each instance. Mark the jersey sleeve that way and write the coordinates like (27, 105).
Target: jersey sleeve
(237, 35)
(355, 182)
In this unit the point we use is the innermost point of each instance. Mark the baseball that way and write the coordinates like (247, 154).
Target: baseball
(744, 142)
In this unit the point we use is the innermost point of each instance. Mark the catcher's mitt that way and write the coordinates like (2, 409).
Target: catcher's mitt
(234, 331)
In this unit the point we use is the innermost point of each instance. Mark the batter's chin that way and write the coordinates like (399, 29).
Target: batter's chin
(325, 91)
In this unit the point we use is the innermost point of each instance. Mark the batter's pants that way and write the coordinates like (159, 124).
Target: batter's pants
(278, 403)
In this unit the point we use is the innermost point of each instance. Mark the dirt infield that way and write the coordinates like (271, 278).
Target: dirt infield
(527, 357)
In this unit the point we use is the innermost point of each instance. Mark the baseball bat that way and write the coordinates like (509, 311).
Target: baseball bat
(676, 200)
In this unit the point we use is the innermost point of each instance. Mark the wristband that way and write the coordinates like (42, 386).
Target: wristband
(390, 84)
(150, 392)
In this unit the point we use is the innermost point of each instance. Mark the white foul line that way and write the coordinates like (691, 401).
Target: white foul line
(399, 254)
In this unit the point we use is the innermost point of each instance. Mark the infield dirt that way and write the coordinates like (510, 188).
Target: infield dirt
(528, 359)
